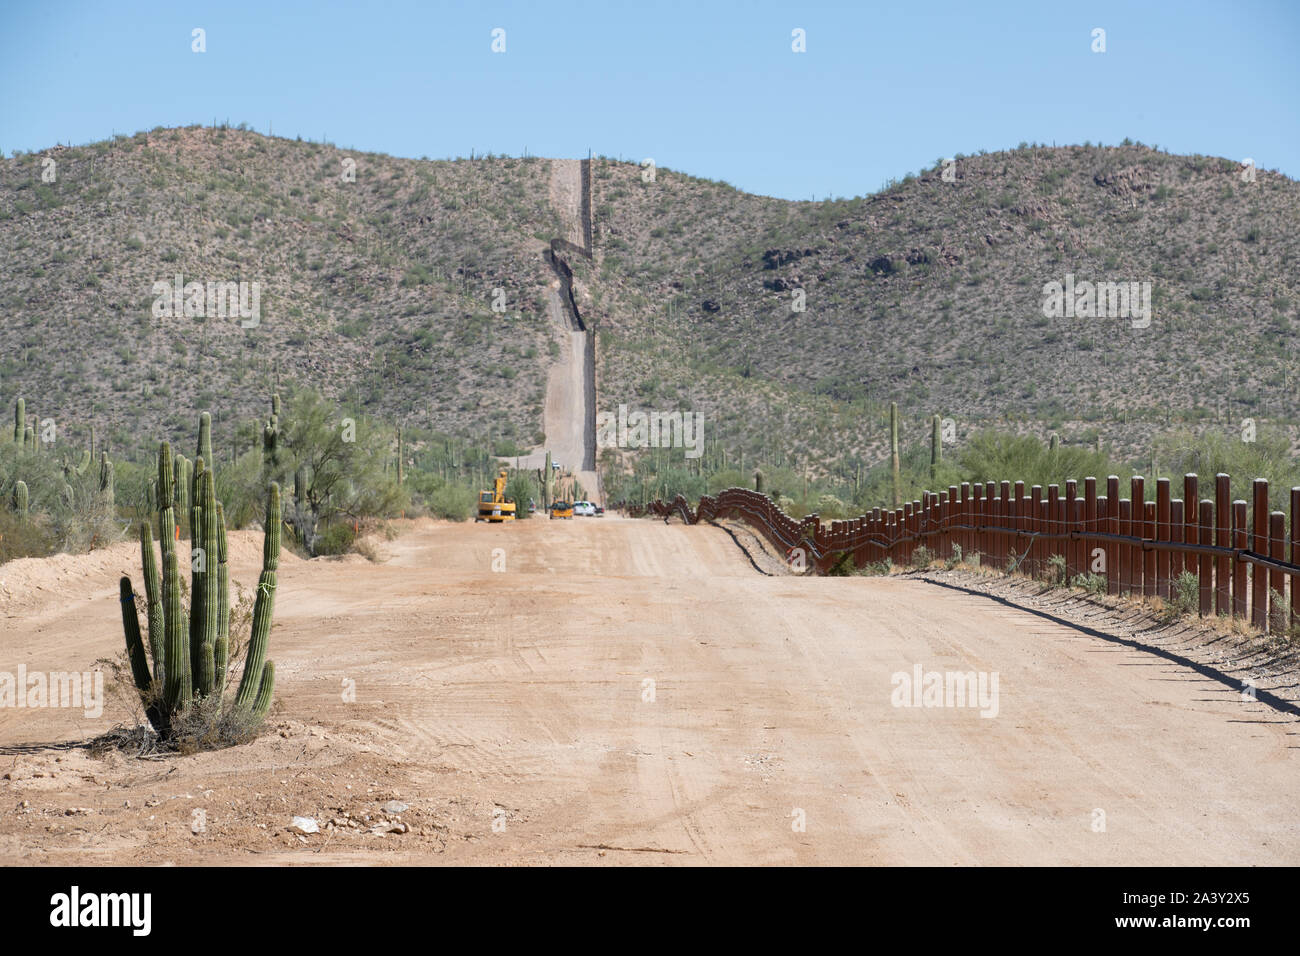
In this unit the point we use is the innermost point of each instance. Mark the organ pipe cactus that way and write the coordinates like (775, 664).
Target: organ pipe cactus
(191, 658)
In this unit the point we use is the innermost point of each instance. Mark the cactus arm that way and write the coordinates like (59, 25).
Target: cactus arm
(176, 685)
(153, 601)
(265, 691)
(134, 643)
(135, 653)
(205, 439)
(198, 593)
(166, 502)
(264, 606)
(221, 650)
(210, 621)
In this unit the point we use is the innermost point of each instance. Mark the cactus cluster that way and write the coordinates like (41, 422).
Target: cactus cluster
(20, 497)
(190, 659)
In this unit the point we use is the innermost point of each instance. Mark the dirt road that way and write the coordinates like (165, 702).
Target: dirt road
(569, 417)
(512, 710)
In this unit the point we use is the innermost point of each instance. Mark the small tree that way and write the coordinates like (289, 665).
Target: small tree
(338, 467)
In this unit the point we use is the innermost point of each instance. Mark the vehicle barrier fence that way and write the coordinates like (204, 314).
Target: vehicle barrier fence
(1245, 561)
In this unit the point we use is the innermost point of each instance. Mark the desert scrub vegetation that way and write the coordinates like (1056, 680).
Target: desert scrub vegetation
(342, 470)
(50, 503)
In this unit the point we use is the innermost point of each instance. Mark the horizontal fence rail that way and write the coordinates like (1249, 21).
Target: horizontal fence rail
(1244, 560)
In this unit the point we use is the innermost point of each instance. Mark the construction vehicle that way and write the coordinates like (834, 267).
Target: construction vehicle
(561, 509)
(493, 505)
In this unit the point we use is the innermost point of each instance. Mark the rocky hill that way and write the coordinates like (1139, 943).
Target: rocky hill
(378, 278)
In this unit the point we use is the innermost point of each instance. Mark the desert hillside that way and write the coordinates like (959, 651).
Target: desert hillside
(380, 290)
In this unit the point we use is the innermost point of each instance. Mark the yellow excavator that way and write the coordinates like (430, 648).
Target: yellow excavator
(492, 505)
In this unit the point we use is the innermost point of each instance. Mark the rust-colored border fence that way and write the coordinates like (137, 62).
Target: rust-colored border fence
(1247, 565)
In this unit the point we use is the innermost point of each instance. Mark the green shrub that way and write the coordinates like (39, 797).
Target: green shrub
(338, 538)
(1184, 595)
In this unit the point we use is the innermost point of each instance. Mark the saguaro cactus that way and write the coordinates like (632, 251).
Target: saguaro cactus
(191, 659)
(271, 441)
(893, 454)
(106, 479)
(20, 500)
(758, 481)
(401, 474)
(936, 446)
(20, 420)
(548, 488)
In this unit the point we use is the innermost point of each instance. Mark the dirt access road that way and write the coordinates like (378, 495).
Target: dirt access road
(510, 710)
(569, 415)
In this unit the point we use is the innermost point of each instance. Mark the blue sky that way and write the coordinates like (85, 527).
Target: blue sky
(712, 89)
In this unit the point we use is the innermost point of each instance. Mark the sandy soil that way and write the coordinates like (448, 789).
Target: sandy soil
(510, 711)
(566, 197)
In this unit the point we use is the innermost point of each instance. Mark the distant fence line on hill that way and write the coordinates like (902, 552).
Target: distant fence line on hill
(1139, 549)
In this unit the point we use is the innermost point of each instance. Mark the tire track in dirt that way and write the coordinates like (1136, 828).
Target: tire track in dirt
(520, 694)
